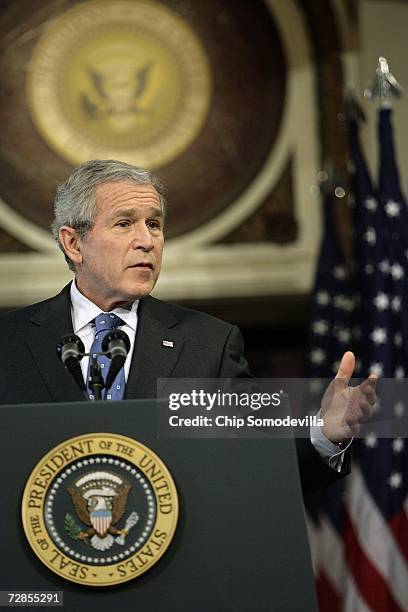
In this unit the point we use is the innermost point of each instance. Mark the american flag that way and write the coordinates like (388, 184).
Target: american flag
(334, 303)
(359, 530)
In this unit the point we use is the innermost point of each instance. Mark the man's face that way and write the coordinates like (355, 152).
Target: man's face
(120, 258)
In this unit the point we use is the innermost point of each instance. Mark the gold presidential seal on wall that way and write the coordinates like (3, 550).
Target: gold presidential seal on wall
(100, 509)
(126, 80)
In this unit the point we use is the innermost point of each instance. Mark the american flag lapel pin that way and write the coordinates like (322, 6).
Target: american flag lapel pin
(168, 343)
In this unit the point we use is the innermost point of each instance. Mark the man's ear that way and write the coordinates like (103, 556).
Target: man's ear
(70, 242)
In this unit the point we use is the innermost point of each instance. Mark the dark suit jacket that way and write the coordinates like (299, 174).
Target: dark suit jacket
(203, 347)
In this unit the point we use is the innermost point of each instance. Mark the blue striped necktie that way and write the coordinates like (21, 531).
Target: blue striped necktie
(104, 322)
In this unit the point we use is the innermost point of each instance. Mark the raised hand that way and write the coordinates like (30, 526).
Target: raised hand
(345, 408)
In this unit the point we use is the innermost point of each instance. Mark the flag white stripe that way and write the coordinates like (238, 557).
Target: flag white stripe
(332, 554)
(313, 535)
(375, 539)
(327, 549)
(353, 602)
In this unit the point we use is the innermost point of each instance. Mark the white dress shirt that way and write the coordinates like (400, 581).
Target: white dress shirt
(83, 313)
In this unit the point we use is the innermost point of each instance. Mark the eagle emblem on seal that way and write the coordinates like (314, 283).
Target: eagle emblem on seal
(99, 499)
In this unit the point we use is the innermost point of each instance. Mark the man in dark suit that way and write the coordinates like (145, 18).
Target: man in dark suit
(109, 222)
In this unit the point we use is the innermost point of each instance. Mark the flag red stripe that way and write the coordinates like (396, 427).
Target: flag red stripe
(370, 583)
(399, 529)
(327, 596)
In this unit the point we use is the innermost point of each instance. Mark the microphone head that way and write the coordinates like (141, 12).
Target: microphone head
(70, 350)
(116, 344)
(70, 347)
(116, 340)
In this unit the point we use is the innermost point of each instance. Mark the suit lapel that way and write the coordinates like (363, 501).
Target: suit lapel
(46, 326)
(151, 358)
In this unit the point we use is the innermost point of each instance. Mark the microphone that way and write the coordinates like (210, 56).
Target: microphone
(70, 350)
(116, 345)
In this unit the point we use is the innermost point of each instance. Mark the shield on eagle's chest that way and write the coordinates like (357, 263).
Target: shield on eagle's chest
(101, 520)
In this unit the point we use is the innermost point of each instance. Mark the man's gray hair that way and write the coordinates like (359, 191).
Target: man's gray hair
(75, 203)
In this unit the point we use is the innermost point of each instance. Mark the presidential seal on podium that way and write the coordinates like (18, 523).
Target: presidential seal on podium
(100, 509)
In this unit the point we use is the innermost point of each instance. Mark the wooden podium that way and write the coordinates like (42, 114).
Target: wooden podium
(240, 544)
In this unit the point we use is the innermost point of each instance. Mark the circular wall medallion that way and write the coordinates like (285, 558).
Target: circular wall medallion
(124, 80)
(246, 95)
(100, 509)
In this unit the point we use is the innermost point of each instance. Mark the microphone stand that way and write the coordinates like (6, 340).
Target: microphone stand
(96, 382)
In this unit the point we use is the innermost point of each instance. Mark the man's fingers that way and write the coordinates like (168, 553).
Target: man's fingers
(359, 414)
(371, 382)
(346, 367)
(354, 419)
(368, 389)
(346, 408)
(369, 394)
(366, 410)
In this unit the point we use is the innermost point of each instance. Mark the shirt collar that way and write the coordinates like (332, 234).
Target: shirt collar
(84, 311)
